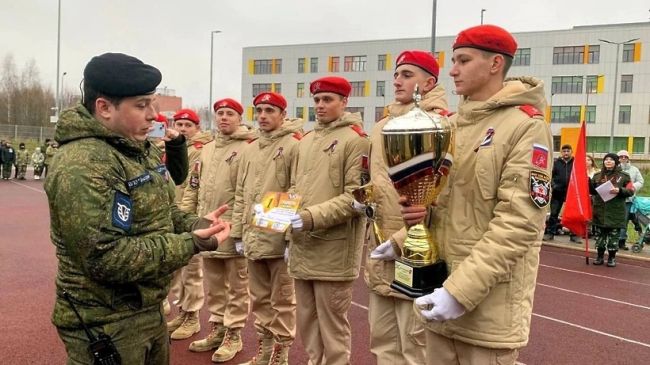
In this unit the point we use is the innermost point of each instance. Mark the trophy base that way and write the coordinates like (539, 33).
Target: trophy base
(417, 281)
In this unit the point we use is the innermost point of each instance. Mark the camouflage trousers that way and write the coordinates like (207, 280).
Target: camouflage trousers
(38, 169)
(140, 339)
(6, 170)
(607, 238)
(22, 169)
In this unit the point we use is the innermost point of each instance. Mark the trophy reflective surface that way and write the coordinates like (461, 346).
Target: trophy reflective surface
(364, 194)
(417, 149)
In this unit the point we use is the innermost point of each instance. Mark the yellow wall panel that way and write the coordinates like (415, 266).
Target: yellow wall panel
(547, 114)
(637, 51)
(329, 64)
(273, 65)
(582, 113)
(251, 66)
(366, 88)
(600, 84)
(389, 62)
(249, 113)
(570, 136)
(441, 59)
(630, 144)
(585, 56)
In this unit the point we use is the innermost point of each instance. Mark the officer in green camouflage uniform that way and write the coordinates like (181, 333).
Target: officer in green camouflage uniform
(117, 233)
(22, 160)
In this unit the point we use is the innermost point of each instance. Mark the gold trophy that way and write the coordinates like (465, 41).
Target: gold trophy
(364, 195)
(417, 150)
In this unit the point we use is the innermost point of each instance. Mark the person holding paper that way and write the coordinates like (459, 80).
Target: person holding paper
(611, 186)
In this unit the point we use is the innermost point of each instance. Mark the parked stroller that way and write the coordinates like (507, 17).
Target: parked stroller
(641, 210)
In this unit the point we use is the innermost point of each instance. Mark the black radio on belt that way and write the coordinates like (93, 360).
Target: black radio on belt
(101, 348)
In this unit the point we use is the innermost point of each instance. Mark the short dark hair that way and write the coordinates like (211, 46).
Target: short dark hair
(566, 147)
(507, 60)
(91, 95)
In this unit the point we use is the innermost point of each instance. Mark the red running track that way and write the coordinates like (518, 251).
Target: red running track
(582, 314)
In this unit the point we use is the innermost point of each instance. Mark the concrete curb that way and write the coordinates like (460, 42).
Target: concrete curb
(581, 248)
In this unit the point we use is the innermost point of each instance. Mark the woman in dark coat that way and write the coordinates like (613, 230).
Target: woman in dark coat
(609, 217)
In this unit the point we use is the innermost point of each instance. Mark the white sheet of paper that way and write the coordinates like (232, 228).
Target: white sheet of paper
(603, 191)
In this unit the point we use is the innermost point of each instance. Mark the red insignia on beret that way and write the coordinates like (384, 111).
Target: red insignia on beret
(332, 84)
(228, 103)
(488, 38)
(187, 114)
(421, 59)
(271, 98)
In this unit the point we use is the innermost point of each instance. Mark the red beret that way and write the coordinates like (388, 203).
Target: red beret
(271, 98)
(421, 59)
(488, 38)
(161, 118)
(188, 114)
(333, 84)
(228, 103)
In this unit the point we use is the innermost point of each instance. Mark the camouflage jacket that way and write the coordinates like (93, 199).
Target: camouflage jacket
(117, 233)
(22, 157)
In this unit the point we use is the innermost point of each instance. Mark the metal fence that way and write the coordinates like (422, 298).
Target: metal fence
(15, 132)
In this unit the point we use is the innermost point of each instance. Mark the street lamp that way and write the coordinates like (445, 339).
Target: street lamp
(482, 11)
(60, 101)
(618, 46)
(211, 62)
(58, 61)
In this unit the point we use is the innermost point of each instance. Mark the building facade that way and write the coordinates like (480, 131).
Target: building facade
(582, 68)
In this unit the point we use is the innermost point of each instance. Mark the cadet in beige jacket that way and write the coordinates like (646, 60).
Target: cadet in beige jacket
(396, 336)
(212, 183)
(187, 282)
(489, 219)
(265, 166)
(327, 238)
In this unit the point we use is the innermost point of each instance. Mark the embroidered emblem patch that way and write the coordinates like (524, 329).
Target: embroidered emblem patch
(540, 156)
(162, 170)
(540, 188)
(121, 215)
(194, 181)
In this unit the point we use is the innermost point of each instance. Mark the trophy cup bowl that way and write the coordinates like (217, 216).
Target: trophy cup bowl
(417, 150)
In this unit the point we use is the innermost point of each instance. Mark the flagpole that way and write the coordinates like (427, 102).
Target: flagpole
(587, 243)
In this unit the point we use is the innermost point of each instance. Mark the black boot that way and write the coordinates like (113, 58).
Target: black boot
(601, 257)
(621, 245)
(611, 259)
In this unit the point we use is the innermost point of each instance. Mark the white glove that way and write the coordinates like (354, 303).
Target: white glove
(296, 222)
(385, 251)
(359, 207)
(286, 255)
(444, 306)
(239, 247)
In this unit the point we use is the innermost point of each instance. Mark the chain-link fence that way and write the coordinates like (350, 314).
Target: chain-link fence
(15, 132)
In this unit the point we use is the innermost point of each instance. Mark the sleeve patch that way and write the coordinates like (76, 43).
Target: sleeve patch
(540, 156)
(540, 188)
(121, 215)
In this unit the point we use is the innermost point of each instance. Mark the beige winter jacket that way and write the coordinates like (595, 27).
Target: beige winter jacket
(326, 172)
(265, 166)
(379, 274)
(194, 148)
(216, 174)
(485, 221)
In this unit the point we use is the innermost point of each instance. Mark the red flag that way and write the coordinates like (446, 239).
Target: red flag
(577, 208)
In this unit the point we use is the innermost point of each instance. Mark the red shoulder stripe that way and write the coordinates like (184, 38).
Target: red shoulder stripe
(198, 145)
(530, 110)
(297, 136)
(359, 130)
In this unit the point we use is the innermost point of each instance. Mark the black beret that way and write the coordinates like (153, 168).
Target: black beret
(117, 74)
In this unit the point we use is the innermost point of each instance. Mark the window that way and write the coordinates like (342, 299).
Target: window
(260, 88)
(601, 144)
(261, 67)
(557, 143)
(592, 84)
(300, 112)
(594, 54)
(278, 66)
(356, 109)
(590, 115)
(358, 88)
(312, 114)
(626, 83)
(381, 62)
(565, 114)
(381, 88)
(566, 85)
(277, 87)
(354, 63)
(300, 90)
(313, 64)
(638, 145)
(628, 52)
(624, 114)
(522, 57)
(379, 113)
(568, 55)
(335, 64)
(301, 65)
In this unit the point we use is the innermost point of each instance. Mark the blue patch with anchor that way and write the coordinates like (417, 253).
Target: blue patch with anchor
(122, 211)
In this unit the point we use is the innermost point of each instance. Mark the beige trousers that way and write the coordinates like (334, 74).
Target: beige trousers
(442, 351)
(273, 297)
(187, 285)
(323, 320)
(226, 282)
(396, 335)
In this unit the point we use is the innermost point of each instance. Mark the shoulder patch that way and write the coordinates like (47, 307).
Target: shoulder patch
(297, 135)
(121, 215)
(198, 145)
(540, 188)
(530, 110)
(359, 130)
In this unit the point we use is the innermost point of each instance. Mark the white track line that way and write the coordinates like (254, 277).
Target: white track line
(359, 305)
(595, 296)
(596, 275)
(592, 330)
(28, 187)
